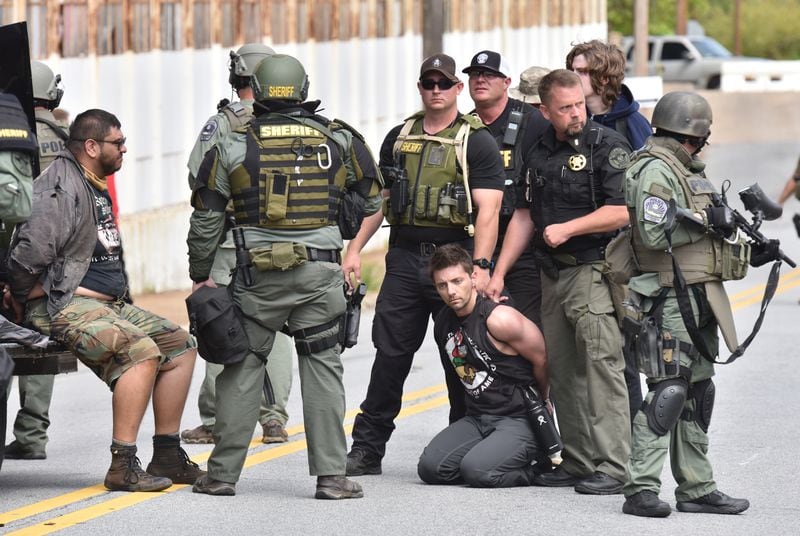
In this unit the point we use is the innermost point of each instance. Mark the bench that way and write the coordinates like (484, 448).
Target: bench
(54, 359)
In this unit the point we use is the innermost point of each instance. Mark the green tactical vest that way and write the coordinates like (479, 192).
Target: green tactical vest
(438, 190)
(293, 174)
(710, 258)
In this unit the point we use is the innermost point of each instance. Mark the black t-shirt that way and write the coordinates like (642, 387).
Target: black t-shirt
(490, 377)
(485, 172)
(106, 272)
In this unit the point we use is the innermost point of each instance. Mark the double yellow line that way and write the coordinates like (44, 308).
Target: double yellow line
(418, 402)
(753, 295)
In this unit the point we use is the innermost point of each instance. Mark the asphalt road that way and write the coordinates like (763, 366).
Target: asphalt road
(754, 444)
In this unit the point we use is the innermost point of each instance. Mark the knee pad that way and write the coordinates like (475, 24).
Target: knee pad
(703, 393)
(666, 407)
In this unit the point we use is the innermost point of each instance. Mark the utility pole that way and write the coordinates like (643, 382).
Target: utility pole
(432, 27)
(737, 28)
(640, 34)
(681, 17)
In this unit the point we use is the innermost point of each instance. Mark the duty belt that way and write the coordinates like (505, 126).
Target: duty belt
(324, 255)
(426, 249)
(567, 260)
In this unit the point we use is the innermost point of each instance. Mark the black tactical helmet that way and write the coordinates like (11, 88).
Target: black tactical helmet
(683, 112)
(243, 63)
(45, 86)
(280, 77)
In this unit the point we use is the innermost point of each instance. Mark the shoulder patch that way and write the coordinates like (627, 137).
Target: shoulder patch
(654, 209)
(618, 158)
(209, 129)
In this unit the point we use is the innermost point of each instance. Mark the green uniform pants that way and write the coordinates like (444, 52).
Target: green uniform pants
(305, 297)
(584, 351)
(686, 442)
(33, 417)
(279, 369)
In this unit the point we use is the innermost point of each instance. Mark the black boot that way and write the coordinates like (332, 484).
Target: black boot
(715, 502)
(171, 461)
(646, 504)
(126, 474)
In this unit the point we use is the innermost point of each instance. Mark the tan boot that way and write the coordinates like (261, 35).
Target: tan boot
(274, 432)
(171, 461)
(126, 474)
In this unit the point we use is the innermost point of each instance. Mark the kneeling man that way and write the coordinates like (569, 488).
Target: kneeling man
(496, 352)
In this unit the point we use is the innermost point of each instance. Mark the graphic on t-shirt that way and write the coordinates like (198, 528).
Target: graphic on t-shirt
(458, 345)
(107, 233)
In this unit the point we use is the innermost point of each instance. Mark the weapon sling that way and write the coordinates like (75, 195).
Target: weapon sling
(685, 305)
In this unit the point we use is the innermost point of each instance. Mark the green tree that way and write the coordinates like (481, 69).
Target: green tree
(768, 28)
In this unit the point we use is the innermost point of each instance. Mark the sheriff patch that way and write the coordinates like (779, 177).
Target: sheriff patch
(655, 209)
(618, 158)
(208, 130)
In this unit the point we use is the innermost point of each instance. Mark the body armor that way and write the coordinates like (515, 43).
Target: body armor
(51, 136)
(708, 259)
(293, 175)
(438, 174)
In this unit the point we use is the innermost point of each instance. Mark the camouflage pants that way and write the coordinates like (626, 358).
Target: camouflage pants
(110, 337)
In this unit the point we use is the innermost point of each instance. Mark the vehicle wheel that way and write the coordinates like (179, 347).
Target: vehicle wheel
(713, 82)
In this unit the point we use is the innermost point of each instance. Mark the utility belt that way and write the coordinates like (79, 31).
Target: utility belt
(552, 263)
(654, 351)
(282, 256)
(426, 249)
(568, 260)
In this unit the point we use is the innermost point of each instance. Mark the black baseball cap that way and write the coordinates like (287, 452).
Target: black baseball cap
(488, 60)
(441, 63)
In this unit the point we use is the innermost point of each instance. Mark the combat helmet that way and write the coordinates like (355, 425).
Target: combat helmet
(243, 63)
(45, 86)
(683, 112)
(280, 77)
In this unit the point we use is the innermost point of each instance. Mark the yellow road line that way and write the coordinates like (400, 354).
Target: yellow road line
(754, 295)
(119, 502)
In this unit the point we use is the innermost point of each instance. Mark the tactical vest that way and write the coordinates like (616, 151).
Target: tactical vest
(293, 175)
(708, 259)
(438, 174)
(237, 114)
(51, 136)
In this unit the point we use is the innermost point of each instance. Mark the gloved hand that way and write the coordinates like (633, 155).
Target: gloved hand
(720, 219)
(761, 254)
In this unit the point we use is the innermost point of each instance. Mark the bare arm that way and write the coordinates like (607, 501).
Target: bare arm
(604, 219)
(518, 236)
(788, 190)
(488, 202)
(351, 264)
(512, 333)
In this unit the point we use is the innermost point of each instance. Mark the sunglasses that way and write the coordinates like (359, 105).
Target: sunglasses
(444, 84)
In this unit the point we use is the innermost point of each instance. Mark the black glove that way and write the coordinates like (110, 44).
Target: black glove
(720, 219)
(765, 252)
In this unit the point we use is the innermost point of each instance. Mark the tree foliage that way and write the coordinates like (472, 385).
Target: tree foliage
(768, 28)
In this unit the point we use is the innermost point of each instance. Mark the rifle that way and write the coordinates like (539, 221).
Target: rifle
(756, 202)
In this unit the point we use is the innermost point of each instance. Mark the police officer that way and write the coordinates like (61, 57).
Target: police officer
(231, 116)
(679, 377)
(36, 391)
(288, 172)
(440, 165)
(574, 206)
(509, 120)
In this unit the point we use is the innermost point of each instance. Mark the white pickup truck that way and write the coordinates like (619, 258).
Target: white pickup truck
(683, 58)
